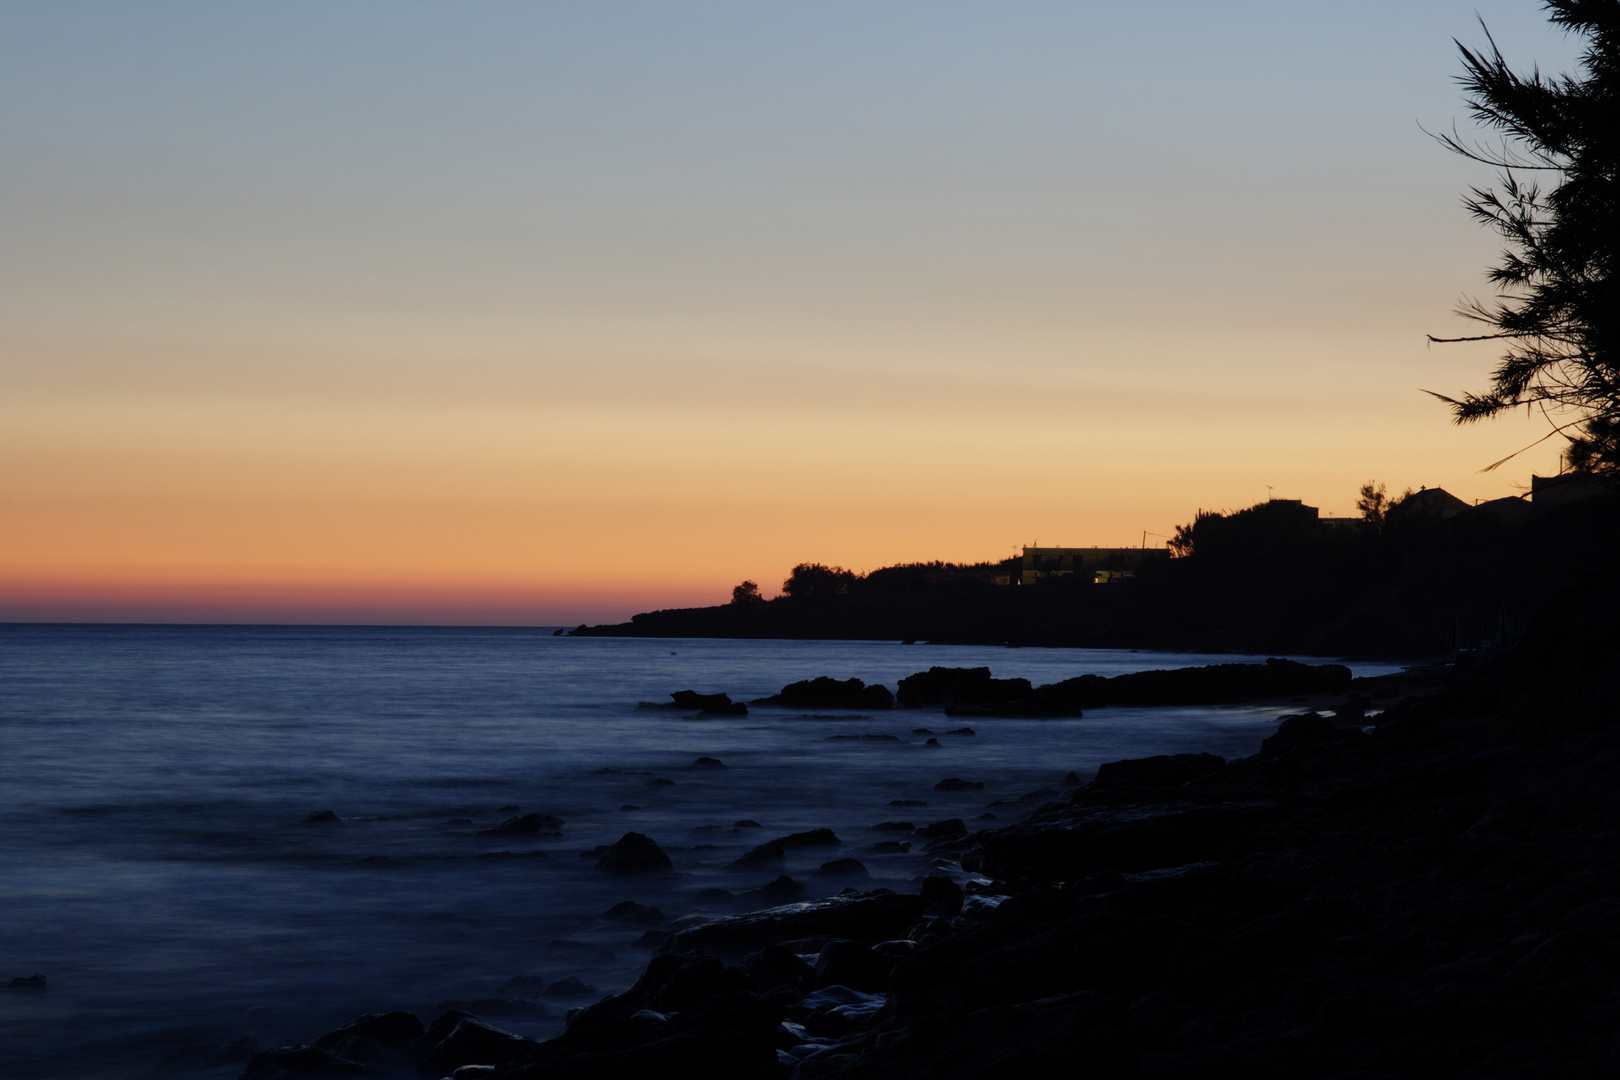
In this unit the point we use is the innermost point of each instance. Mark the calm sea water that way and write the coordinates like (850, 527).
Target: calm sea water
(156, 864)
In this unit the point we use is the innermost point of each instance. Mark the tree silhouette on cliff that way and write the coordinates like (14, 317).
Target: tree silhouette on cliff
(1557, 204)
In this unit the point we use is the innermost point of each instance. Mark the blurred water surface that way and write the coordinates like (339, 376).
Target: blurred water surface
(156, 864)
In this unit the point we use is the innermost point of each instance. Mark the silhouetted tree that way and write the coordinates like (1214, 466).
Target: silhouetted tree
(1558, 306)
(1373, 504)
(816, 580)
(746, 593)
(1182, 544)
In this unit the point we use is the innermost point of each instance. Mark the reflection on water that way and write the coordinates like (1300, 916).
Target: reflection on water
(162, 872)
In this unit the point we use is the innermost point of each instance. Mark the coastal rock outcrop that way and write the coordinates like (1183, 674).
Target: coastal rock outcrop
(1215, 684)
(823, 692)
(959, 687)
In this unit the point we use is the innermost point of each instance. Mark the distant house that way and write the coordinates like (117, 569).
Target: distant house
(1100, 565)
(1510, 510)
(1567, 488)
(1430, 503)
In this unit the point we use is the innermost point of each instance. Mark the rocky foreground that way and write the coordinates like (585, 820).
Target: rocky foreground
(1437, 895)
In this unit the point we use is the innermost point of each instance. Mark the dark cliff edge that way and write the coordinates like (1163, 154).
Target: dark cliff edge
(1420, 587)
(1436, 894)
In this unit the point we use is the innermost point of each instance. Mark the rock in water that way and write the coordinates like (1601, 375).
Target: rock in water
(634, 854)
(526, 825)
(692, 701)
(762, 855)
(809, 838)
(783, 890)
(956, 783)
(842, 868)
(828, 693)
(948, 827)
(959, 687)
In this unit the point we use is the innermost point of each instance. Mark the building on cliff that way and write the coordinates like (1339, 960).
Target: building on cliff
(1100, 565)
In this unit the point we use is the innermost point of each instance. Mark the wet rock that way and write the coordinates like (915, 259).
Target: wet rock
(809, 838)
(471, 1042)
(932, 742)
(775, 966)
(708, 763)
(686, 1016)
(893, 826)
(660, 781)
(763, 855)
(1306, 731)
(526, 825)
(1072, 779)
(853, 964)
(870, 917)
(634, 853)
(907, 802)
(321, 817)
(633, 914)
(941, 897)
(956, 783)
(28, 984)
(746, 823)
(1132, 844)
(961, 731)
(842, 868)
(887, 847)
(1148, 778)
(948, 827)
(921, 731)
(782, 890)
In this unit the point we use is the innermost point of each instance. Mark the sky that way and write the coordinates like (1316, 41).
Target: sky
(548, 313)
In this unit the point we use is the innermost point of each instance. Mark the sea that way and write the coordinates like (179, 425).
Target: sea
(160, 867)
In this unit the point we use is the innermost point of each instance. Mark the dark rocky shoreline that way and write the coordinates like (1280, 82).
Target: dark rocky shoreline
(1436, 895)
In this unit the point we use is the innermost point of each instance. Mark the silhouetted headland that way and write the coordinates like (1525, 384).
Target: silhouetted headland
(1433, 577)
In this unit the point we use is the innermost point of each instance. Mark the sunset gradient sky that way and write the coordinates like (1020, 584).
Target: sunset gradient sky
(542, 313)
